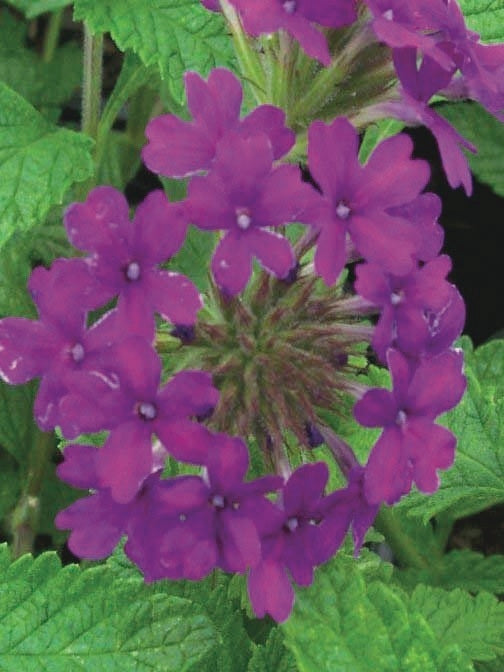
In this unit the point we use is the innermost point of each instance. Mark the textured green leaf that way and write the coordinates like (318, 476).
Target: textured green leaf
(486, 17)
(32, 8)
(375, 133)
(487, 134)
(476, 624)
(42, 84)
(273, 655)
(464, 569)
(17, 428)
(38, 163)
(177, 35)
(476, 480)
(69, 620)
(351, 621)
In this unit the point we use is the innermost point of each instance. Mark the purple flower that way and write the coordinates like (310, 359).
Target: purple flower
(244, 196)
(413, 24)
(125, 257)
(97, 522)
(418, 86)
(122, 395)
(411, 447)
(178, 148)
(404, 302)
(195, 524)
(297, 18)
(359, 199)
(58, 345)
(309, 531)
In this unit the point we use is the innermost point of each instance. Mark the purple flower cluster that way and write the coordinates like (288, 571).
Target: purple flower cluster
(106, 375)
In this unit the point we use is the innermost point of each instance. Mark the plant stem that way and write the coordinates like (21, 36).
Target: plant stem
(51, 36)
(402, 544)
(92, 83)
(25, 516)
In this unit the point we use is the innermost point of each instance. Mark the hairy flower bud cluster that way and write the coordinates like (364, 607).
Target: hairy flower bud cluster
(275, 353)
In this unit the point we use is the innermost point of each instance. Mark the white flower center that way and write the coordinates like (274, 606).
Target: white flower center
(243, 218)
(342, 210)
(77, 352)
(395, 298)
(289, 6)
(147, 411)
(401, 418)
(133, 271)
(218, 501)
(292, 524)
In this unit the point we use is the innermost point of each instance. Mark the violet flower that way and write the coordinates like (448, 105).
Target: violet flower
(126, 255)
(244, 196)
(411, 447)
(358, 199)
(178, 148)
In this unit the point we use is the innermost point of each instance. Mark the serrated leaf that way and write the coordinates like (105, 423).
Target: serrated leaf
(69, 620)
(33, 8)
(476, 480)
(486, 17)
(487, 133)
(476, 624)
(42, 84)
(375, 133)
(350, 621)
(464, 569)
(273, 655)
(38, 163)
(177, 35)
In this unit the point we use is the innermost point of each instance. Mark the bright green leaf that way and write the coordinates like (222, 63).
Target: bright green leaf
(486, 17)
(177, 35)
(487, 134)
(459, 569)
(38, 163)
(273, 655)
(194, 257)
(375, 133)
(476, 480)
(69, 620)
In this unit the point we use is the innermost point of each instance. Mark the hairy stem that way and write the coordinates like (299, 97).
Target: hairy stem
(51, 36)
(402, 544)
(92, 82)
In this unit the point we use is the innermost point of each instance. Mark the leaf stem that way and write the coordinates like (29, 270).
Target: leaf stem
(92, 82)
(402, 544)
(25, 516)
(51, 36)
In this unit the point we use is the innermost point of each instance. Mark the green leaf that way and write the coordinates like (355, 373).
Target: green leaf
(273, 655)
(177, 35)
(33, 8)
(69, 620)
(459, 569)
(194, 257)
(9, 484)
(42, 84)
(38, 163)
(476, 480)
(351, 621)
(375, 133)
(487, 134)
(120, 162)
(486, 17)
(476, 624)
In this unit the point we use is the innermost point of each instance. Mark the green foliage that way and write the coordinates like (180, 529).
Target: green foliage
(177, 35)
(66, 619)
(487, 134)
(347, 621)
(33, 8)
(476, 480)
(42, 84)
(38, 163)
(375, 133)
(17, 428)
(459, 569)
(272, 656)
(194, 257)
(486, 17)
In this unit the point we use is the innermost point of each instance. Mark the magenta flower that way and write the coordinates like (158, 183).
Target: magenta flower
(411, 447)
(58, 345)
(126, 255)
(359, 200)
(404, 302)
(178, 148)
(297, 18)
(245, 196)
(197, 523)
(309, 531)
(122, 395)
